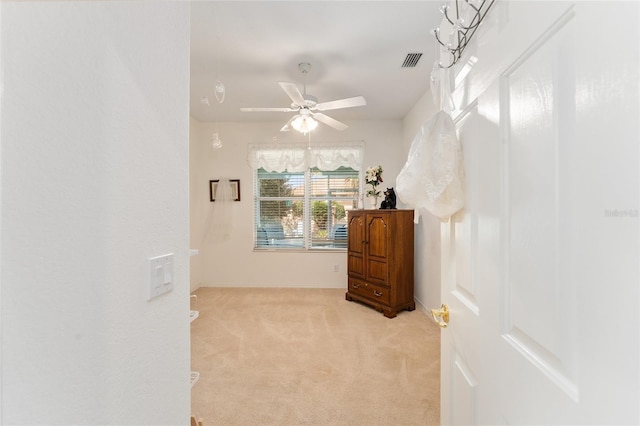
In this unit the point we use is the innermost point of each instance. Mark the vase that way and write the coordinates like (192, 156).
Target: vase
(373, 201)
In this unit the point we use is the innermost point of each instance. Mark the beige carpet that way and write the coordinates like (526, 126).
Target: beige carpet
(309, 357)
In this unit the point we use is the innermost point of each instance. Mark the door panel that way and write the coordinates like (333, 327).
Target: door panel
(355, 255)
(540, 272)
(470, 282)
(377, 271)
(538, 123)
(356, 265)
(464, 387)
(356, 233)
(465, 227)
(377, 242)
(377, 235)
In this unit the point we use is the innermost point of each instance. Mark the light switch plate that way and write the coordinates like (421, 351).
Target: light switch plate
(160, 275)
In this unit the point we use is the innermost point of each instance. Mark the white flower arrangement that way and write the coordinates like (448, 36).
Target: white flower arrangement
(373, 177)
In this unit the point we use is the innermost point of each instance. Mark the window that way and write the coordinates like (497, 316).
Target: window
(306, 208)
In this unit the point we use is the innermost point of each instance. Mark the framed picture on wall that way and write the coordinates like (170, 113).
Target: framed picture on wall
(235, 189)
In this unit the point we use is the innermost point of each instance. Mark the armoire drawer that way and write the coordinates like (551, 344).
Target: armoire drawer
(369, 291)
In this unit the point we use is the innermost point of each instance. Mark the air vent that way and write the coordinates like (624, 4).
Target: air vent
(411, 60)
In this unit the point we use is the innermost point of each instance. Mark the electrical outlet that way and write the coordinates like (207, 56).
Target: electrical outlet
(336, 268)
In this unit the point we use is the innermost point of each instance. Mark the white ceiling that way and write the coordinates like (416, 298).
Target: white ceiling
(354, 47)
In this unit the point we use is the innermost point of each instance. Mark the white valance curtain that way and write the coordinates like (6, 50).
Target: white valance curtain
(298, 158)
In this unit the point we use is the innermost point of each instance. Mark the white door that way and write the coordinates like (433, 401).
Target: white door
(540, 274)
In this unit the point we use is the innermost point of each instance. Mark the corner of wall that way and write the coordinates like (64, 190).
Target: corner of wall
(427, 231)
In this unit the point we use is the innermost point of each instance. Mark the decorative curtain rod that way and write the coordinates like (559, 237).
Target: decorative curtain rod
(461, 32)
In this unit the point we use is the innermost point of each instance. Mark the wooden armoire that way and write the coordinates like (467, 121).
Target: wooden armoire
(380, 259)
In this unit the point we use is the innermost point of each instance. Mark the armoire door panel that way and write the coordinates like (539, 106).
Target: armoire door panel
(377, 236)
(356, 265)
(377, 271)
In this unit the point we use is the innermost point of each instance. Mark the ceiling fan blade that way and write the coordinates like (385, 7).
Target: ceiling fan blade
(329, 121)
(267, 109)
(293, 92)
(341, 103)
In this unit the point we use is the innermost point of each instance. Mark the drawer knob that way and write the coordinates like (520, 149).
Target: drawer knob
(377, 293)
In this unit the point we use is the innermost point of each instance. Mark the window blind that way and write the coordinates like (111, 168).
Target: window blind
(303, 195)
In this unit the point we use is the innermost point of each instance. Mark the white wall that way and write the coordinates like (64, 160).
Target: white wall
(93, 182)
(427, 232)
(198, 203)
(233, 262)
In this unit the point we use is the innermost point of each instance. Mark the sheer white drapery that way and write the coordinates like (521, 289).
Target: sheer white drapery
(298, 157)
(221, 213)
(440, 83)
(433, 175)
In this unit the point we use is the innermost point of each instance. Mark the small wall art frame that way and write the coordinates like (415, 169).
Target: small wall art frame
(235, 189)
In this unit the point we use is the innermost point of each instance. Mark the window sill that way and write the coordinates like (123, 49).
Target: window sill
(299, 250)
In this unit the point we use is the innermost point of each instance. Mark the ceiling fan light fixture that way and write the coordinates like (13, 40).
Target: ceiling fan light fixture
(304, 124)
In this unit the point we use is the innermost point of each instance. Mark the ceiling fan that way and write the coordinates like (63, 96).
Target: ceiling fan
(307, 107)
